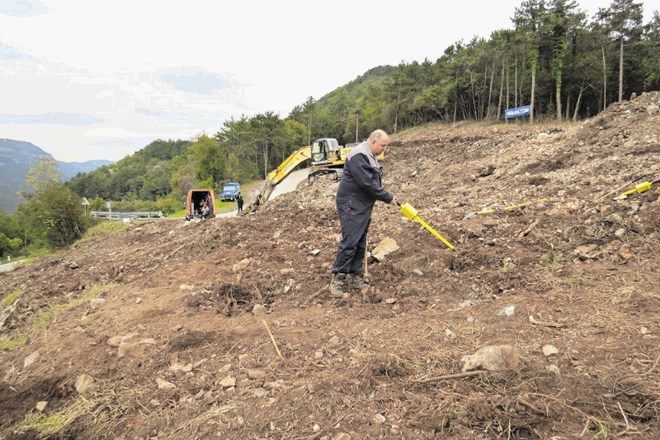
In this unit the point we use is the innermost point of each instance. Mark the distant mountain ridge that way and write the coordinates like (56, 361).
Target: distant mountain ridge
(18, 157)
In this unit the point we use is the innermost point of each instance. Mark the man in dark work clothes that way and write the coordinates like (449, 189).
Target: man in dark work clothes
(359, 189)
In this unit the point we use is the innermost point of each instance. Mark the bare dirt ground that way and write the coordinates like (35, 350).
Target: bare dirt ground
(224, 328)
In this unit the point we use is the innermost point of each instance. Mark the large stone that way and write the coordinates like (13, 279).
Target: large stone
(84, 384)
(241, 265)
(507, 311)
(164, 385)
(587, 252)
(255, 374)
(493, 358)
(30, 360)
(625, 253)
(116, 341)
(228, 382)
(385, 247)
(549, 350)
(131, 349)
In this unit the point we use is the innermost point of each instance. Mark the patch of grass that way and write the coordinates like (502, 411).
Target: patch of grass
(55, 425)
(11, 343)
(548, 258)
(601, 425)
(45, 316)
(101, 229)
(178, 214)
(104, 228)
(34, 255)
(44, 425)
(460, 412)
(10, 299)
(225, 206)
(578, 281)
(551, 260)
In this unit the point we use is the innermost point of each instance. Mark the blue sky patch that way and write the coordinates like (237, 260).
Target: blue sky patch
(23, 8)
(200, 82)
(8, 52)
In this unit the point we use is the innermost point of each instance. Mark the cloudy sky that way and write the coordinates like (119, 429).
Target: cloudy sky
(100, 79)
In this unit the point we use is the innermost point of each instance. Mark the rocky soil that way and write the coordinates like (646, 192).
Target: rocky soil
(542, 323)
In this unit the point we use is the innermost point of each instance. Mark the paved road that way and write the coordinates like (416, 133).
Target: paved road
(290, 183)
(227, 214)
(7, 267)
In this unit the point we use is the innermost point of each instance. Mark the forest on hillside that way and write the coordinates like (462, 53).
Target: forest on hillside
(563, 64)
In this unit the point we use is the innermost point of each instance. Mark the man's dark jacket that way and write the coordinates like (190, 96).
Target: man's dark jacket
(361, 183)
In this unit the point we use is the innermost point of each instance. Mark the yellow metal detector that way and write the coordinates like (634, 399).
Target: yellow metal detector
(644, 186)
(411, 213)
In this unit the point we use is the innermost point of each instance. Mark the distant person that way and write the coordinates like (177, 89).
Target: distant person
(239, 203)
(359, 189)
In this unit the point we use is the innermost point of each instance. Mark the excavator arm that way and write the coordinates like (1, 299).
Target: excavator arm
(278, 174)
(288, 165)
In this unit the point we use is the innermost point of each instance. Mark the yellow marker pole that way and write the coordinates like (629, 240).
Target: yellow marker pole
(522, 205)
(644, 186)
(435, 233)
(411, 213)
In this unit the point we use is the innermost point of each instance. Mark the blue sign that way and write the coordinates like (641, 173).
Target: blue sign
(517, 112)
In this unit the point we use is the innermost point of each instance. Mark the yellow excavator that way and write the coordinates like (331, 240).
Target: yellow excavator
(328, 157)
(325, 155)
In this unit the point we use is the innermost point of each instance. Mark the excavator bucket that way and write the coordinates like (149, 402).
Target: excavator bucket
(411, 213)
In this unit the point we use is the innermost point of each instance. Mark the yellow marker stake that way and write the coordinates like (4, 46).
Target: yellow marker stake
(644, 186)
(411, 213)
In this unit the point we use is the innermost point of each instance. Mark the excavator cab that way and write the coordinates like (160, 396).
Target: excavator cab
(325, 150)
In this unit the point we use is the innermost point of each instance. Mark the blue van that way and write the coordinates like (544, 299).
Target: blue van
(230, 191)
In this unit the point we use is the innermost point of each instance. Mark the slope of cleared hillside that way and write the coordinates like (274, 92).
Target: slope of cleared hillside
(224, 328)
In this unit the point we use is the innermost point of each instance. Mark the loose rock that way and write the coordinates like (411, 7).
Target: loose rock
(549, 350)
(164, 385)
(493, 358)
(84, 384)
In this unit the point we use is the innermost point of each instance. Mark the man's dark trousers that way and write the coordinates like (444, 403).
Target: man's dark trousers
(354, 227)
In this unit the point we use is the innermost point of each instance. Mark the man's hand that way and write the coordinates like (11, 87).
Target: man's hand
(394, 202)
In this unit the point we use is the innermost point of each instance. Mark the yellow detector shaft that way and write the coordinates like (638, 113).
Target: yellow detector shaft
(644, 186)
(411, 213)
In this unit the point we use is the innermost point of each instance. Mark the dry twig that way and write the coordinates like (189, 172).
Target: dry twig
(545, 324)
(272, 339)
(523, 402)
(452, 376)
(624, 416)
(167, 257)
(318, 292)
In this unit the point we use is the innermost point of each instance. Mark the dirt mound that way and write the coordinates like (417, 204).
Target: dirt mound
(224, 328)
